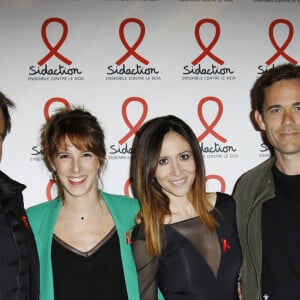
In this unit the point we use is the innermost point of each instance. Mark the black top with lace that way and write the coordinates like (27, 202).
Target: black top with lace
(195, 264)
(88, 275)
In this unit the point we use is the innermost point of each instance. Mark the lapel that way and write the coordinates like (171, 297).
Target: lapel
(48, 221)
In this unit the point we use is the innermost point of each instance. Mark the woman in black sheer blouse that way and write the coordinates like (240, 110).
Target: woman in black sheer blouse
(186, 246)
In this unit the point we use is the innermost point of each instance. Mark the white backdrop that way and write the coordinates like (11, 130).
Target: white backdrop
(128, 61)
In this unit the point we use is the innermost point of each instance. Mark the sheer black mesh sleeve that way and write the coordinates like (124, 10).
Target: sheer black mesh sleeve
(146, 266)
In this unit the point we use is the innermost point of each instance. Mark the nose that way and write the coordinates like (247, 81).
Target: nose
(288, 117)
(75, 166)
(176, 168)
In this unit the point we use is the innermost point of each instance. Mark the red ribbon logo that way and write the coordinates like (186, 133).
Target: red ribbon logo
(50, 102)
(225, 245)
(131, 50)
(128, 240)
(25, 221)
(133, 128)
(207, 50)
(218, 178)
(280, 50)
(54, 50)
(127, 187)
(210, 128)
(50, 184)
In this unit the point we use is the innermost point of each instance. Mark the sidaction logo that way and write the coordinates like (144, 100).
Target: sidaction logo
(280, 50)
(122, 150)
(217, 150)
(214, 71)
(43, 71)
(140, 70)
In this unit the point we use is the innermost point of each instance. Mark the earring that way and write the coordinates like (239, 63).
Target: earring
(54, 175)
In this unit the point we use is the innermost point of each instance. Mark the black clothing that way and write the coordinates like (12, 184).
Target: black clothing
(195, 264)
(280, 222)
(19, 267)
(88, 275)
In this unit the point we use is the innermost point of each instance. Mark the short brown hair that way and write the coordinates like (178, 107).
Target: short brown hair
(81, 128)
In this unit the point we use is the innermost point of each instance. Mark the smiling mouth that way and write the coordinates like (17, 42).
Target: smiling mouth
(76, 180)
(179, 182)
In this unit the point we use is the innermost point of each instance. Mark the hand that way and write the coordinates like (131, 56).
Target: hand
(239, 291)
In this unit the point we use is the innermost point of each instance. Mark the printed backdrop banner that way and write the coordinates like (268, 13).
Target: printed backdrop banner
(127, 61)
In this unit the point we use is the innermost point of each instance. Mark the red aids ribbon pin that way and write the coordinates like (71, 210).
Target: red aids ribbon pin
(128, 240)
(25, 221)
(225, 245)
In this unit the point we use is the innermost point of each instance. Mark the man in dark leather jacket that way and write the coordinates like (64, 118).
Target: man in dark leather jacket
(19, 267)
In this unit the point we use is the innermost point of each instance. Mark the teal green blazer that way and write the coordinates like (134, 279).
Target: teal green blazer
(42, 218)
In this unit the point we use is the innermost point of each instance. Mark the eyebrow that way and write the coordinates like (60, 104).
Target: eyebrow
(180, 153)
(280, 105)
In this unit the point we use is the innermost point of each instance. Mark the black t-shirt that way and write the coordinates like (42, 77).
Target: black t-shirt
(96, 274)
(281, 240)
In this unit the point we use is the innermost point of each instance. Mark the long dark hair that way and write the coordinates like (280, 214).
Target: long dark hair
(154, 202)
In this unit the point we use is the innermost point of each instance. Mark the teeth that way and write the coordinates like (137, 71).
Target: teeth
(77, 179)
(178, 182)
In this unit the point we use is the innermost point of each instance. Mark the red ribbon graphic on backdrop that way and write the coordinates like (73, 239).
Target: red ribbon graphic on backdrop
(54, 50)
(280, 50)
(50, 102)
(133, 128)
(50, 184)
(131, 50)
(127, 187)
(218, 178)
(207, 50)
(210, 128)
(65, 102)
